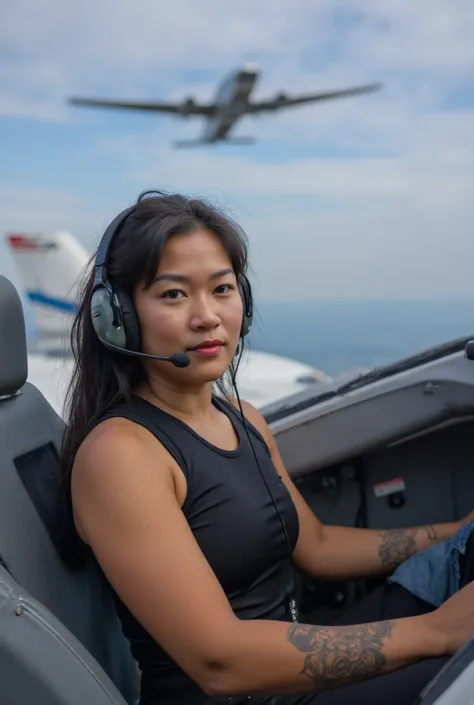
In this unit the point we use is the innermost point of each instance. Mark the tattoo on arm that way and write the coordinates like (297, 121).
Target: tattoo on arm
(339, 656)
(399, 544)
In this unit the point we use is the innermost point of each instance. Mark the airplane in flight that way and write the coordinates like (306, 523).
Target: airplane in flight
(232, 102)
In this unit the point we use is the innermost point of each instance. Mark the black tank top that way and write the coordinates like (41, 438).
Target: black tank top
(234, 521)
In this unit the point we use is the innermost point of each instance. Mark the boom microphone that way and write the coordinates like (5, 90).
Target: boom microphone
(177, 359)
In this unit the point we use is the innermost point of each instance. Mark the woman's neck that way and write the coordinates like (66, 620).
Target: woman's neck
(181, 402)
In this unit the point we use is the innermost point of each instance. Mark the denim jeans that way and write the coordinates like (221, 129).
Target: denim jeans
(434, 574)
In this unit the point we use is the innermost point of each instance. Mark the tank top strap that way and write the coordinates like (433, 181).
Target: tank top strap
(228, 407)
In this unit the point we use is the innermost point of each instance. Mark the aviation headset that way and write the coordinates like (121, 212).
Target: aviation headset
(113, 315)
(116, 324)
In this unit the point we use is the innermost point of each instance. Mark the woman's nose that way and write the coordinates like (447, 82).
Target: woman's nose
(205, 315)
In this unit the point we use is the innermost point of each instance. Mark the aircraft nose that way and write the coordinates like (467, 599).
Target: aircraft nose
(251, 68)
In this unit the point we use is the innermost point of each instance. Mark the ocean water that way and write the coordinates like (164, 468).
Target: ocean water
(340, 337)
(343, 336)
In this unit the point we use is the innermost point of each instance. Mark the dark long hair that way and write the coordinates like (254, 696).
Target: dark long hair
(102, 378)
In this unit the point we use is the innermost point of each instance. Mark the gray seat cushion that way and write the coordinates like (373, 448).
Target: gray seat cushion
(41, 662)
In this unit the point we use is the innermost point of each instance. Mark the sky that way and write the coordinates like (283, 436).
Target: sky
(363, 198)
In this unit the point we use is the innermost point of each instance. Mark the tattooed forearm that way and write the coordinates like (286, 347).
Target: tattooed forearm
(399, 544)
(338, 656)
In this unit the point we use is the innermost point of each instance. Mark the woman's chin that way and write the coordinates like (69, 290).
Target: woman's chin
(210, 369)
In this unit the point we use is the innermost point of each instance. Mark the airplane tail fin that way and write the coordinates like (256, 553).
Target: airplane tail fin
(206, 143)
(49, 266)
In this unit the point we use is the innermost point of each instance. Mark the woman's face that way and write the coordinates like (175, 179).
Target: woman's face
(193, 306)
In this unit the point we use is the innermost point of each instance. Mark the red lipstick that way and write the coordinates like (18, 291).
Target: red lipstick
(207, 347)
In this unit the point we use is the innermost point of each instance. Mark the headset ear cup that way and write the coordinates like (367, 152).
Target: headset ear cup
(130, 322)
(247, 302)
(102, 315)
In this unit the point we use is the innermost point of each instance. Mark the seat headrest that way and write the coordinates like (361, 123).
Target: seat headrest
(13, 350)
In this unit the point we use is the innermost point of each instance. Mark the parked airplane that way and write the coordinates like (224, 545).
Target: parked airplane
(232, 101)
(50, 266)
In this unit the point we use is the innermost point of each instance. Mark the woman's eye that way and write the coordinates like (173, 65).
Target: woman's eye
(224, 288)
(172, 294)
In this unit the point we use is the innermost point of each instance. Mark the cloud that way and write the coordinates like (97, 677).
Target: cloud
(31, 208)
(133, 47)
(367, 197)
(428, 170)
(38, 210)
(144, 48)
(395, 225)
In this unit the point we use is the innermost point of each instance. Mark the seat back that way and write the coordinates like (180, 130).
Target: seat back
(37, 535)
(40, 660)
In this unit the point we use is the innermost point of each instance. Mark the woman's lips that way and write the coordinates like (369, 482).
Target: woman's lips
(208, 348)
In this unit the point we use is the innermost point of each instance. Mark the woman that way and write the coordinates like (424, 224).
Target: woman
(186, 503)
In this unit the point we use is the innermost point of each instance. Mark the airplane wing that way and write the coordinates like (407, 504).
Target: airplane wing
(187, 107)
(283, 101)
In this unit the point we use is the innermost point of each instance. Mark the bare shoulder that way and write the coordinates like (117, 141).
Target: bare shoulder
(119, 460)
(112, 445)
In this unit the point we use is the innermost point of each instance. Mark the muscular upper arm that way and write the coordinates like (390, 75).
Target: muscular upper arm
(311, 529)
(126, 506)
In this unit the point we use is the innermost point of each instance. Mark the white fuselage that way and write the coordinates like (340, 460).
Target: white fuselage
(262, 377)
(232, 99)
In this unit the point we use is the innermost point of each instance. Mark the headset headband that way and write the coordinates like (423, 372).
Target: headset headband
(105, 245)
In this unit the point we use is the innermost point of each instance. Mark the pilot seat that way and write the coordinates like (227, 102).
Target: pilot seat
(61, 641)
